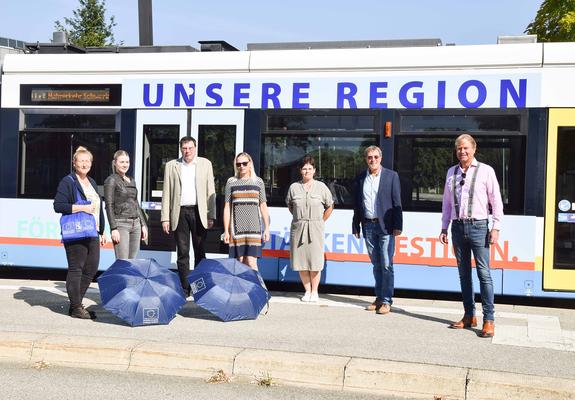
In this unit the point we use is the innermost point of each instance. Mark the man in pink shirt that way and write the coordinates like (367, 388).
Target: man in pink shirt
(471, 192)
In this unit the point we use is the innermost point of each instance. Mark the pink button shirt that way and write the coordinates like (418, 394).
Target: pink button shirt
(486, 192)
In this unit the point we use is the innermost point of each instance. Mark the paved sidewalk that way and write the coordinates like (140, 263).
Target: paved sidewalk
(331, 344)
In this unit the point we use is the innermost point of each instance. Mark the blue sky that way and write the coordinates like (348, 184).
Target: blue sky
(178, 22)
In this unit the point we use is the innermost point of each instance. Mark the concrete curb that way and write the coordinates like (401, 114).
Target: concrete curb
(400, 379)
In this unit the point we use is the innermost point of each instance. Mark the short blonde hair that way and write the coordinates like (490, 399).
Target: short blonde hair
(82, 150)
(465, 137)
(251, 165)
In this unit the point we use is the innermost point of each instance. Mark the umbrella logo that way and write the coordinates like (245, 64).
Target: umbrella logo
(198, 285)
(151, 315)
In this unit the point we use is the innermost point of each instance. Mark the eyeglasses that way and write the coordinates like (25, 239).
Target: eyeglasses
(463, 175)
(242, 164)
(372, 157)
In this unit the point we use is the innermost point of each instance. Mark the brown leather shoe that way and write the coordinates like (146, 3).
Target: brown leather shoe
(384, 309)
(373, 306)
(488, 329)
(466, 322)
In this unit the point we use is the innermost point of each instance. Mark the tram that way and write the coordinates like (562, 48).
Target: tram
(517, 100)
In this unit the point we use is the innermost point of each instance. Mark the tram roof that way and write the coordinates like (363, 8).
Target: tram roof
(355, 59)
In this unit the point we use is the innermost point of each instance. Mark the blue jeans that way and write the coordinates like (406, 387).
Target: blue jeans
(468, 237)
(380, 248)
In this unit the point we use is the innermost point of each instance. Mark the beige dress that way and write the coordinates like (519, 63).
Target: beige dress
(307, 227)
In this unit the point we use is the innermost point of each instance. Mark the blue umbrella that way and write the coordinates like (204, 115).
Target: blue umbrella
(141, 292)
(228, 289)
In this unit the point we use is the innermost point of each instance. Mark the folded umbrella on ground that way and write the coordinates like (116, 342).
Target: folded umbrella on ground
(228, 289)
(141, 292)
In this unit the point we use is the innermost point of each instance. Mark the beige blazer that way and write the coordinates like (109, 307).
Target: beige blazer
(205, 189)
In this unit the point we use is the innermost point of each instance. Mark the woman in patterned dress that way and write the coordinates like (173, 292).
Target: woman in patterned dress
(245, 211)
(311, 204)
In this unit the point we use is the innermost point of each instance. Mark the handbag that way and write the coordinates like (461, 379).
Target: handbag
(80, 225)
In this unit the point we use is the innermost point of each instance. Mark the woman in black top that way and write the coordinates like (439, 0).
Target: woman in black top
(126, 218)
(83, 255)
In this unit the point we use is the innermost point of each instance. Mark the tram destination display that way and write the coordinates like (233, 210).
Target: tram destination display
(72, 95)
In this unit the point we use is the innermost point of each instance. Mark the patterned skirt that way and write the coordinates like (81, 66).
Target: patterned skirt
(246, 235)
(240, 247)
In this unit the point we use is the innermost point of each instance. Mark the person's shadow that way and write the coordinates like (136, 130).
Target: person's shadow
(425, 317)
(394, 309)
(55, 302)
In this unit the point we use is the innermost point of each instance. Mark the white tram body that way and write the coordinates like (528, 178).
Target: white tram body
(517, 100)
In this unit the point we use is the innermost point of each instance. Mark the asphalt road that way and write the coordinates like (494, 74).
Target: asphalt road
(46, 382)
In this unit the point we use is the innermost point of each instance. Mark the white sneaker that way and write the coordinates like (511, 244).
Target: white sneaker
(313, 298)
(306, 297)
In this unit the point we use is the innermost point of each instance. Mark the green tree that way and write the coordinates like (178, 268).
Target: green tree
(88, 26)
(554, 22)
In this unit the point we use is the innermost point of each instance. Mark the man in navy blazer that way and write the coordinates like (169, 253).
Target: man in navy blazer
(378, 212)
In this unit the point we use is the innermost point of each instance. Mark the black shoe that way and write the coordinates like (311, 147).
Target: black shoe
(71, 311)
(79, 312)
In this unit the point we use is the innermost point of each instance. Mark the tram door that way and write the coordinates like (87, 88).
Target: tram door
(220, 136)
(559, 242)
(158, 133)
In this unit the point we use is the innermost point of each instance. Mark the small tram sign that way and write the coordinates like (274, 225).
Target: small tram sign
(56, 95)
(70, 95)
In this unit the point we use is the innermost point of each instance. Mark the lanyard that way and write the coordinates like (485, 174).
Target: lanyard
(471, 190)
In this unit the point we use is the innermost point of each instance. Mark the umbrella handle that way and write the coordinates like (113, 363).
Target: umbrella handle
(267, 307)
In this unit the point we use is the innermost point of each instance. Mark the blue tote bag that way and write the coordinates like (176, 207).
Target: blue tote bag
(80, 225)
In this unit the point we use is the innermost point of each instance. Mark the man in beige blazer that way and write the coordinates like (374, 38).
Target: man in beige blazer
(188, 205)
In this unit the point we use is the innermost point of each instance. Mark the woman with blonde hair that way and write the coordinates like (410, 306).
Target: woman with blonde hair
(83, 255)
(245, 211)
(125, 216)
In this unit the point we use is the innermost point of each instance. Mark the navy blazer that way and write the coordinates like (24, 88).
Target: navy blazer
(388, 202)
(66, 197)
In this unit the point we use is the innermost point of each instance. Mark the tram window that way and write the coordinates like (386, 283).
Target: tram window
(46, 158)
(565, 192)
(102, 146)
(304, 122)
(41, 169)
(461, 123)
(69, 121)
(422, 163)
(338, 160)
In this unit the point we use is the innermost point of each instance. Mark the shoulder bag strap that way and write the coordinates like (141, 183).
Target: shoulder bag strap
(472, 190)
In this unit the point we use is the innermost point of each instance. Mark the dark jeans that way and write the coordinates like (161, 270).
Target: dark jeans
(189, 223)
(83, 259)
(473, 237)
(380, 248)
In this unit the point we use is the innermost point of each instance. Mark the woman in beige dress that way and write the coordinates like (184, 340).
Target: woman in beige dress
(311, 204)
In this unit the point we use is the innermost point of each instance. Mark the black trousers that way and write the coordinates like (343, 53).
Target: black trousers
(83, 259)
(189, 223)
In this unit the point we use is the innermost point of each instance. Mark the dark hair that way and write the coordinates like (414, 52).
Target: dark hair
(307, 159)
(187, 139)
